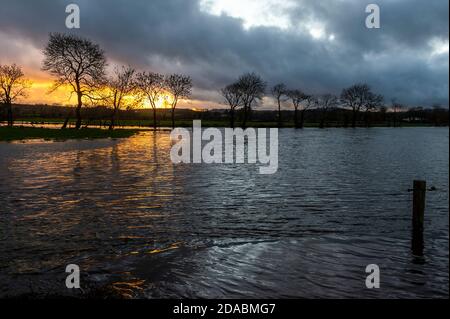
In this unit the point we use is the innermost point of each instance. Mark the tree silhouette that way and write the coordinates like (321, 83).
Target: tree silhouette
(13, 85)
(77, 63)
(279, 91)
(152, 86)
(372, 106)
(311, 102)
(233, 95)
(180, 87)
(359, 97)
(325, 103)
(302, 103)
(297, 97)
(120, 92)
(253, 88)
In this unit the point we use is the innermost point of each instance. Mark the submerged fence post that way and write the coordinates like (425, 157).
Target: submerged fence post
(419, 194)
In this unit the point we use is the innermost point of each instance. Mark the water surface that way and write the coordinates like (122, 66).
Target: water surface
(129, 217)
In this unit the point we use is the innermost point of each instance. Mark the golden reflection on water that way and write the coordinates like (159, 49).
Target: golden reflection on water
(162, 250)
(128, 289)
(82, 189)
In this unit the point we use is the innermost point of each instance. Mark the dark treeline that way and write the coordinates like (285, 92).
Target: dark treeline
(80, 65)
(357, 105)
(335, 117)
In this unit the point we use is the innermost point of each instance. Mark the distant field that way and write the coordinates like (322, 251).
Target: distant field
(188, 123)
(149, 123)
(25, 133)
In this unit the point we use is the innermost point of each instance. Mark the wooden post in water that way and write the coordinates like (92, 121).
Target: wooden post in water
(419, 194)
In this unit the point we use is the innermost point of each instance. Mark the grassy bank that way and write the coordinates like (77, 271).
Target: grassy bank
(25, 133)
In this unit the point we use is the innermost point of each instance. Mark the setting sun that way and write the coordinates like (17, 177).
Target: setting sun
(163, 102)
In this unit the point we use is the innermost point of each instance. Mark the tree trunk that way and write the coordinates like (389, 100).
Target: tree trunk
(232, 118)
(173, 118)
(296, 118)
(302, 119)
(355, 114)
(78, 112)
(113, 120)
(66, 122)
(244, 123)
(154, 119)
(322, 121)
(10, 115)
(280, 123)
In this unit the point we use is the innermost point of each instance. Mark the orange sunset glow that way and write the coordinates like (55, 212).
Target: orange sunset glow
(40, 93)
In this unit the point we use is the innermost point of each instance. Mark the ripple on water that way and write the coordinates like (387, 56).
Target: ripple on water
(338, 203)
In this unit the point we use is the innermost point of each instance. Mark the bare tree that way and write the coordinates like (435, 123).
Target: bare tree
(253, 89)
(233, 95)
(297, 97)
(180, 87)
(279, 92)
(77, 63)
(374, 103)
(120, 92)
(325, 103)
(359, 97)
(152, 86)
(311, 102)
(13, 86)
(302, 103)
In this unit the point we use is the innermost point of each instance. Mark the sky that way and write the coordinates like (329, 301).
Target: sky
(316, 46)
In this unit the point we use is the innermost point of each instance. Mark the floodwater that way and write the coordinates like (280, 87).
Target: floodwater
(147, 228)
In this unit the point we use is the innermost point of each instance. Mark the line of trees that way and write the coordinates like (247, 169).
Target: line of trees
(335, 117)
(245, 93)
(80, 64)
(250, 88)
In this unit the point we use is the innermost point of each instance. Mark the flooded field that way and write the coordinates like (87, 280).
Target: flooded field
(135, 222)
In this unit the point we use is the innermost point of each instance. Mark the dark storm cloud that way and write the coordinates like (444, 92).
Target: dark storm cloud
(176, 36)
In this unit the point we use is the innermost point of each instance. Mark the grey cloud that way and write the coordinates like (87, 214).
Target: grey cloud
(175, 36)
